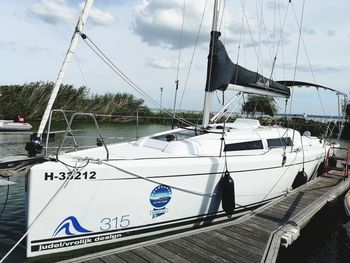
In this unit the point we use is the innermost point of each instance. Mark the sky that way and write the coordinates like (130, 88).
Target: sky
(143, 38)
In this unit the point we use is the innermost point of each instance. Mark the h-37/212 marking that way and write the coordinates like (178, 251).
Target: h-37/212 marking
(87, 175)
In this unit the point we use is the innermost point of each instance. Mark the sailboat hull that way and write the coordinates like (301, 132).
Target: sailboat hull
(112, 201)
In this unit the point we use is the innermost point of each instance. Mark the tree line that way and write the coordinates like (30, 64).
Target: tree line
(30, 100)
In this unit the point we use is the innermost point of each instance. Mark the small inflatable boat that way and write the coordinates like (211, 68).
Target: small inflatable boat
(10, 125)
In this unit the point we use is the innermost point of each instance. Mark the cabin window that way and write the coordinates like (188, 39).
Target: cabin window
(279, 142)
(242, 146)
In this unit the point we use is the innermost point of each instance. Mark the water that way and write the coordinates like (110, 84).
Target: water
(12, 221)
(325, 239)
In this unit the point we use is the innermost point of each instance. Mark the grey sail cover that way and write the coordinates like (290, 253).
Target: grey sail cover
(221, 71)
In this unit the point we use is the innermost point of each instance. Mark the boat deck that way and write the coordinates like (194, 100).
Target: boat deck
(255, 237)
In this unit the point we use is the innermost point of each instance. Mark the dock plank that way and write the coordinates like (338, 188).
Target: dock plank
(256, 238)
(184, 252)
(244, 242)
(160, 251)
(200, 251)
(149, 256)
(257, 234)
(129, 256)
(109, 259)
(98, 260)
(233, 253)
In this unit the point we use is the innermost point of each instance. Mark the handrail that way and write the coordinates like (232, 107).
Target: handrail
(69, 131)
(49, 128)
(331, 157)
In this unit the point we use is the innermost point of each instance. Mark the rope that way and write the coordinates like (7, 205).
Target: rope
(64, 184)
(157, 182)
(123, 76)
(279, 179)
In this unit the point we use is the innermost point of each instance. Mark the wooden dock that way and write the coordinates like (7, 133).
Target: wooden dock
(255, 237)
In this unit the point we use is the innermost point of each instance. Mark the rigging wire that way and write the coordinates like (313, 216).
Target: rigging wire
(123, 76)
(180, 41)
(63, 185)
(211, 53)
(251, 37)
(282, 51)
(222, 15)
(260, 29)
(234, 109)
(279, 179)
(265, 30)
(241, 36)
(224, 40)
(274, 26)
(80, 70)
(178, 62)
(193, 53)
(309, 62)
(297, 56)
(279, 41)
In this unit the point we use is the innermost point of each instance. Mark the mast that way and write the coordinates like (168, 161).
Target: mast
(70, 51)
(72, 47)
(208, 94)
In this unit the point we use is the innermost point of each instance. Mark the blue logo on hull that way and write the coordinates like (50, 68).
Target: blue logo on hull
(70, 226)
(160, 197)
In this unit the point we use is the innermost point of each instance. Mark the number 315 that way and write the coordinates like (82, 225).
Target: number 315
(115, 223)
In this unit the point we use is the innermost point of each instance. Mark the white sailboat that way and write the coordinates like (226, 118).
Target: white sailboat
(11, 125)
(178, 179)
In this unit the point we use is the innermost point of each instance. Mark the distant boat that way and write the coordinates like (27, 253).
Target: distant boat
(11, 125)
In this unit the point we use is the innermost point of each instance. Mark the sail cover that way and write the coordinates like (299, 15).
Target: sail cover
(222, 72)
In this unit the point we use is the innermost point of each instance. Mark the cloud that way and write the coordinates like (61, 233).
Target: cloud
(158, 23)
(7, 44)
(272, 5)
(271, 39)
(161, 63)
(308, 31)
(37, 49)
(315, 68)
(99, 17)
(56, 12)
(52, 12)
(330, 33)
